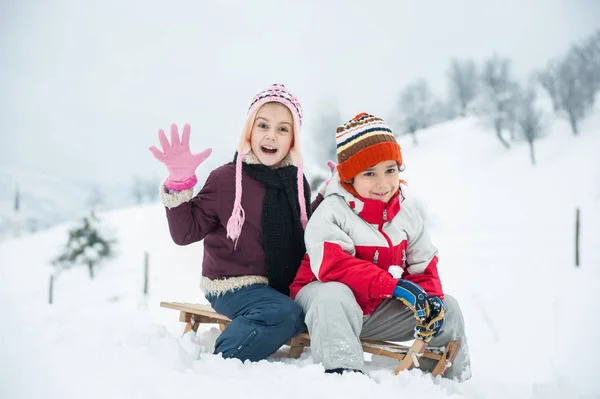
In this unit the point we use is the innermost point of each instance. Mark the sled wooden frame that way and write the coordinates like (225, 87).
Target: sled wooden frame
(194, 314)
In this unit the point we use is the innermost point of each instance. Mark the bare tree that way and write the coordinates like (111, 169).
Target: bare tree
(498, 94)
(442, 111)
(529, 119)
(512, 110)
(587, 58)
(574, 81)
(463, 79)
(573, 93)
(548, 79)
(416, 107)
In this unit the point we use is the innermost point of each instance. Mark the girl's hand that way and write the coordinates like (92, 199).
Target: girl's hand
(178, 159)
(331, 165)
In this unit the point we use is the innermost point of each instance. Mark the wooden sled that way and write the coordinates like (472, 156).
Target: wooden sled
(194, 314)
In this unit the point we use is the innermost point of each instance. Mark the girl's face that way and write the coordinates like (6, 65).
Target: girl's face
(379, 182)
(272, 134)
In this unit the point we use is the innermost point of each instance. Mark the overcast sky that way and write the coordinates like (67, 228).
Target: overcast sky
(84, 86)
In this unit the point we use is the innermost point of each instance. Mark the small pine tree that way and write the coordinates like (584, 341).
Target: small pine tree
(85, 246)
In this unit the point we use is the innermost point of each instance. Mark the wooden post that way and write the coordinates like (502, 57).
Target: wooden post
(577, 228)
(146, 267)
(91, 268)
(51, 289)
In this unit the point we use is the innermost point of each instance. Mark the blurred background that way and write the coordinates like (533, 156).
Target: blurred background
(84, 86)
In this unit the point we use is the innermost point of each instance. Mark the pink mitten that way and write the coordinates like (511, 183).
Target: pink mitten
(331, 165)
(178, 159)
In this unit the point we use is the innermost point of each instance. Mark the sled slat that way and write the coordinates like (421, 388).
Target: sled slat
(408, 362)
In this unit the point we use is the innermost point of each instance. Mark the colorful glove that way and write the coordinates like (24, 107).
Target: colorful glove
(178, 159)
(414, 297)
(434, 320)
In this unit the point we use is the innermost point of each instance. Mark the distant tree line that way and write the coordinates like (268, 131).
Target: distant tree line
(491, 93)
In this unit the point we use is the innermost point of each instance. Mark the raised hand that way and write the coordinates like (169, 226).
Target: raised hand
(331, 165)
(178, 159)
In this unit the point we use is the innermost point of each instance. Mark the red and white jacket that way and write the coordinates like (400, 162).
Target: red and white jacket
(354, 241)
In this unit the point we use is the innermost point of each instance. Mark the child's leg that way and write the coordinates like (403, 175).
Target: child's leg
(392, 321)
(262, 320)
(334, 321)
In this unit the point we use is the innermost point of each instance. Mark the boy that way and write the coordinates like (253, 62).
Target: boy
(364, 226)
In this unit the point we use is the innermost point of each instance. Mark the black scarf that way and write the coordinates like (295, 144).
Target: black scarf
(283, 236)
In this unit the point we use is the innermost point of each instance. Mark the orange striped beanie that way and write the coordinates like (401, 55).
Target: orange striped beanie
(364, 141)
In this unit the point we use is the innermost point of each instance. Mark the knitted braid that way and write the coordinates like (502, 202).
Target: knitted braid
(300, 179)
(238, 216)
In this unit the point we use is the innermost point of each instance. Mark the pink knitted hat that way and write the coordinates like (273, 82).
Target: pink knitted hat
(275, 93)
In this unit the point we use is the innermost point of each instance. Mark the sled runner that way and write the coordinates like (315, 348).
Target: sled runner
(194, 314)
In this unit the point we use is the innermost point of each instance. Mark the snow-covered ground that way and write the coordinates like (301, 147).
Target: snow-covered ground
(505, 230)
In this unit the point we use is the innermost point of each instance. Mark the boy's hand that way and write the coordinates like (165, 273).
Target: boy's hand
(434, 320)
(414, 297)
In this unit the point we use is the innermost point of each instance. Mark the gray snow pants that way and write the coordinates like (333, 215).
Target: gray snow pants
(336, 323)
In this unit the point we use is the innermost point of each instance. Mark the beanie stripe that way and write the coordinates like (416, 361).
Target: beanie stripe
(356, 139)
(367, 126)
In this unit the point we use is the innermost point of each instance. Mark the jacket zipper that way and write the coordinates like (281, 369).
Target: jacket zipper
(387, 238)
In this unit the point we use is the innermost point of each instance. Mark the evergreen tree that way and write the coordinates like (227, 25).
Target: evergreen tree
(86, 246)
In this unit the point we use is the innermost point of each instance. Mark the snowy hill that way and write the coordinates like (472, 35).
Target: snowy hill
(505, 230)
(47, 199)
(40, 198)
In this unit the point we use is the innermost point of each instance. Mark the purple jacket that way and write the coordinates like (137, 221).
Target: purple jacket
(205, 217)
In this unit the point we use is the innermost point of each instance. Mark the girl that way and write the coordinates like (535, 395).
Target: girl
(361, 232)
(251, 214)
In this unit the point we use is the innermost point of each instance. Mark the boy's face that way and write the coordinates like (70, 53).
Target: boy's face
(272, 133)
(379, 182)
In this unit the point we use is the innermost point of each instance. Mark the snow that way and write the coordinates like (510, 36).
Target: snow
(395, 271)
(505, 231)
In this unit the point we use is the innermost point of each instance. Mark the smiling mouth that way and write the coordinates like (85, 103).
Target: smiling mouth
(381, 194)
(268, 150)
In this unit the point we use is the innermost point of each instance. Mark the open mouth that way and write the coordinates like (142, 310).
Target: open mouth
(268, 150)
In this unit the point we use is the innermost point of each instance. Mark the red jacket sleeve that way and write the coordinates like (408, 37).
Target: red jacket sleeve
(429, 280)
(365, 279)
